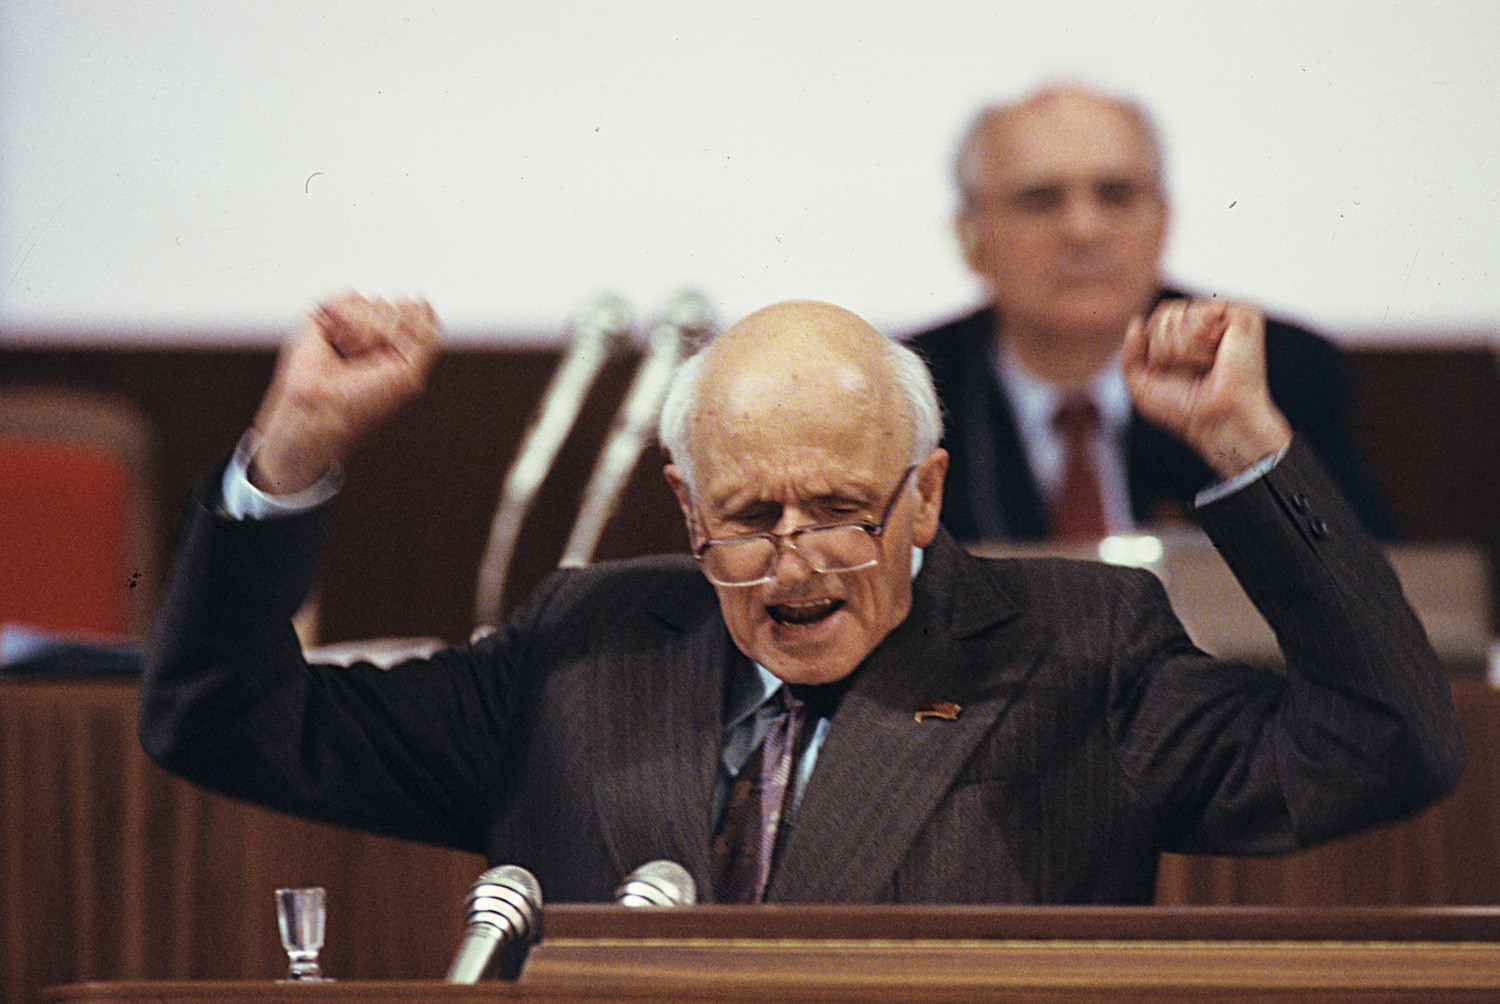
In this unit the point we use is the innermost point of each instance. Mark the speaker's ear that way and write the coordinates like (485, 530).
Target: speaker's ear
(967, 232)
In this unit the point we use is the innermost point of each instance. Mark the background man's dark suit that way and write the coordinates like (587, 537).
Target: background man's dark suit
(582, 740)
(991, 492)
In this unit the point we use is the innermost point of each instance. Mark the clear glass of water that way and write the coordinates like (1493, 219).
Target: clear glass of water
(301, 914)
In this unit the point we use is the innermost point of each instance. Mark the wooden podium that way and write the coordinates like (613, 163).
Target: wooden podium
(110, 870)
(815, 953)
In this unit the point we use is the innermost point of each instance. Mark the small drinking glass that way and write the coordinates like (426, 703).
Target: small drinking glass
(301, 914)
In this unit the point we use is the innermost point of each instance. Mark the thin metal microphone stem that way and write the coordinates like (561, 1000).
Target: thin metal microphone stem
(599, 330)
(684, 321)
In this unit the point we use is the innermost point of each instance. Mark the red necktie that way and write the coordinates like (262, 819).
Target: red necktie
(746, 841)
(1078, 509)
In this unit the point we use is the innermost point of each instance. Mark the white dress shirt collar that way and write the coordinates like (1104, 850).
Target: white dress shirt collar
(1036, 402)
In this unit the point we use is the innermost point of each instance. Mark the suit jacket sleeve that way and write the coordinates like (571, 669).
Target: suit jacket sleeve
(418, 751)
(1361, 730)
(1307, 379)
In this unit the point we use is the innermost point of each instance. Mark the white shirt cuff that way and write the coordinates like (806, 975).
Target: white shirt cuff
(242, 500)
(1254, 472)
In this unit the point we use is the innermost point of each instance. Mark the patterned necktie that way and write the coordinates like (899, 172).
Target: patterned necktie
(1078, 510)
(746, 841)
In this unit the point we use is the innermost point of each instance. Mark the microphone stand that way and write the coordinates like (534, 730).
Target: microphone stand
(598, 331)
(684, 322)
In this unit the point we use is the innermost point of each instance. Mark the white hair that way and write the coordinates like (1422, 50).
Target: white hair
(965, 164)
(924, 415)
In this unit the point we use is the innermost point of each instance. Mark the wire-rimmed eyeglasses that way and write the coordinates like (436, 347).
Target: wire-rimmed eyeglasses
(746, 559)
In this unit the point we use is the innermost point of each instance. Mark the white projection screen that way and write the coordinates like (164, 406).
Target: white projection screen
(200, 171)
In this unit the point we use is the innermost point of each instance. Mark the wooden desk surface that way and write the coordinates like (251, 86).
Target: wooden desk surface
(943, 954)
(1448, 586)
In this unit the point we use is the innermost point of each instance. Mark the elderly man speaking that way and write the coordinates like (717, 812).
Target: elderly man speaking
(828, 700)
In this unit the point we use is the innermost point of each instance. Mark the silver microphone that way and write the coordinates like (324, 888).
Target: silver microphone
(503, 910)
(657, 883)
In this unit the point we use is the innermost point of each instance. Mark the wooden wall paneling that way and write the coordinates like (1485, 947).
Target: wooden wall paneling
(113, 869)
(419, 498)
(1428, 422)
(51, 794)
(406, 539)
(1422, 415)
(16, 929)
(1449, 853)
(404, 919)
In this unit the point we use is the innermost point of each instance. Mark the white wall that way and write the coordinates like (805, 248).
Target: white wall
(196, 169)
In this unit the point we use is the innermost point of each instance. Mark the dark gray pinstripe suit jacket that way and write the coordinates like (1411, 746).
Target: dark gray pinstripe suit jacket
(581, 741)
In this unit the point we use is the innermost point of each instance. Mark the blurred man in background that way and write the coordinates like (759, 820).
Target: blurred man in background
(1063, 216)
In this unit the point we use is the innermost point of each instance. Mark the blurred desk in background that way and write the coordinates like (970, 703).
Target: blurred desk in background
(1446, 854)
(1448, 585)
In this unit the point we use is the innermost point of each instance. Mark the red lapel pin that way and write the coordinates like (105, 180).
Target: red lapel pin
(938, 709)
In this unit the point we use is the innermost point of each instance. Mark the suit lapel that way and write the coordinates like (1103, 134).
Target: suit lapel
(881, 771)
(657, 729)
(658, 708)
(1008, 499)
